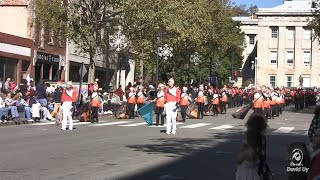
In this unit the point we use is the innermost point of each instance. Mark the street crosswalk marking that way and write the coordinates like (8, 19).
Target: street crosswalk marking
(223, 127)
(284, 130)
(180, 124)
(154, 125)
(195, 125)
(43, 124)
(111, 123)
(81, 123)
(134, 125)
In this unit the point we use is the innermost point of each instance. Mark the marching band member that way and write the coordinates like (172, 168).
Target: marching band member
(278, 101)
(140, 97)
(215, 102)
(267, 105)
(200, 102)
(160, 104)
(224, 100)
(68, 98)
(184, 103)
(172, 99)
(131, 103)
(258, 101)
(95, 104)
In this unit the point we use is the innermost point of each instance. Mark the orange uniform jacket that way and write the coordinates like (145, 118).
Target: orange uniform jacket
(266, 104)
(160, 100)
(168, 97)
(184, 100)
(131, 98)
(65, 97)
(140, 99)
(215, 100)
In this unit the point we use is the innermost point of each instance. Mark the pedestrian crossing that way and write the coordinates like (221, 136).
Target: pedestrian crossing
(187, 126)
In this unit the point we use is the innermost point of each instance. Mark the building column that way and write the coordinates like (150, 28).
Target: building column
(130, 76)
(30, 70)
(19, 71)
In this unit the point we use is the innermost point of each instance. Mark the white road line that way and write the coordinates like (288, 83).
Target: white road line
(195, 125)
(154, 125)
(223, 127)
(111, 123)
(306, 133)
(49, 123)
(284, 130)
(81, 123)
(43, 124)
(134, 125)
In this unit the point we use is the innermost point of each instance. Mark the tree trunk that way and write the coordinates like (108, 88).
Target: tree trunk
(92, 69)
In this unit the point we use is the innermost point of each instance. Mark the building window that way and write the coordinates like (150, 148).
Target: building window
(272, 80)
(274, 32)
(290, 32)
(273, 57)
(289, 80)
(306, 57)
(307, 33)
(252, 39)
(289, 57)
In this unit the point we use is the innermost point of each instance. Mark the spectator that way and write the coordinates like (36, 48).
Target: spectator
(314, 172)
(120, 93)
(1, 85)
(24, 102)
(3, 109)
(7, 85)
(11, 104)
(95, 104)
(57, 103)
(252, 157)
(22, 88)
(42, 93)
(12, 84)
(314, 124)
(32, 89)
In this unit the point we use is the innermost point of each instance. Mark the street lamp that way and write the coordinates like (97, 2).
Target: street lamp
(119, 42)
(194, 59)
(158, 43)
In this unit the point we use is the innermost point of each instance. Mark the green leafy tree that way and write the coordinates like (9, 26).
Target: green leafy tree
(81, 21)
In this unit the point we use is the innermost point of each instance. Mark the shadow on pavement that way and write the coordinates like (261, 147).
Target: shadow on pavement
(306, 110)
(212, 157)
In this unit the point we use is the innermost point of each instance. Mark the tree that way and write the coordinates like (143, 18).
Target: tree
(315, 21)
(83, 23)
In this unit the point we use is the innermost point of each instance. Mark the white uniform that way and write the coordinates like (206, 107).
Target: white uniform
(171, 113)
(67, 113)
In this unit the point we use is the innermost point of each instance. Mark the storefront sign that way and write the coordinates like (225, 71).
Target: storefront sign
(48, 57)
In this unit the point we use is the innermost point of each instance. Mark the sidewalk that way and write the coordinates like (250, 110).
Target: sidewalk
(10, 123)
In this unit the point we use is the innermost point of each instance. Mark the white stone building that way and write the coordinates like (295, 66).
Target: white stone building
(280, 40)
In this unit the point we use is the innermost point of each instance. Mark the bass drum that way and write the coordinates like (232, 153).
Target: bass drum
(192, 111)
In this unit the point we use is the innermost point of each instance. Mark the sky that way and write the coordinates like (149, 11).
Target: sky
(260, 3)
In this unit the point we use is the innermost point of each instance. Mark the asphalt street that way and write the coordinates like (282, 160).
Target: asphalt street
(129, 149)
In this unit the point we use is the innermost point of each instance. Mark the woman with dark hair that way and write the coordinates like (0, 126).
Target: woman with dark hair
(315, 123)
(252, 157)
